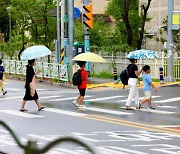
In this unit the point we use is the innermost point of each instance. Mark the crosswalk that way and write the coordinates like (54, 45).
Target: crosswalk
(117, 99)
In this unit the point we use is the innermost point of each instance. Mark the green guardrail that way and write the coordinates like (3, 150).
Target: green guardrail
(31, 146)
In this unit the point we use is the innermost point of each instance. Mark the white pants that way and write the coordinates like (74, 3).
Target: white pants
(133, 92)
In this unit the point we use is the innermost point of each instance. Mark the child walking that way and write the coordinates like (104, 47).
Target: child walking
(2, 78)
(147, 87)
(82, 87)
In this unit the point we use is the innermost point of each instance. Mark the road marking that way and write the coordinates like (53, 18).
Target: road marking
(21, 114)
(132, 124)
(49, 97)
(140, 98)
(71, 113)
(168, 100)
(103, 98)
(169, 107)
(169, 126)
(63, 99)
(107, 111)
(117, 150)
(6, 98)
(151, 110)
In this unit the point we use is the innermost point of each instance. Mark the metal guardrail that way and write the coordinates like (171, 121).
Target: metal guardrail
(48, 70)
(31, 146)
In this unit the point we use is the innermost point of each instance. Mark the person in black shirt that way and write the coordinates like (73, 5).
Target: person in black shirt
(29, 80)
(132, 82)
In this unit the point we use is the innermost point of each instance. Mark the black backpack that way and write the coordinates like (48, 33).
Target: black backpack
(124, 77)
(76, 79)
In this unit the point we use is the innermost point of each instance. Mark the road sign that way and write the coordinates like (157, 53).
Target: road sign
(77, 13)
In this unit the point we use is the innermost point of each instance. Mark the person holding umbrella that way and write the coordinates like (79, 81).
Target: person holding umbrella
(133, 73)
(31, 93)
(82, 86)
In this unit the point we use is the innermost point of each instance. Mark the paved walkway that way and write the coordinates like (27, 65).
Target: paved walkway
(97, 83)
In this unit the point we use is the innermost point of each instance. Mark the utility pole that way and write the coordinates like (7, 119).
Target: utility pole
(62, 22)
(58, 34)
(71, 35)
(170, 43)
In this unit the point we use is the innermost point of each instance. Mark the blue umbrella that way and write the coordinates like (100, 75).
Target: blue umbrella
(142, 54)
(35, 52)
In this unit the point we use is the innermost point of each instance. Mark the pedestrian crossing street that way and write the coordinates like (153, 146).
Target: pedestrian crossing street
(160, 109)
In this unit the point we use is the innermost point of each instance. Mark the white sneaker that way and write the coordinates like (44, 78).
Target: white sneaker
(76, 103)
(150, 108)
(82, 107)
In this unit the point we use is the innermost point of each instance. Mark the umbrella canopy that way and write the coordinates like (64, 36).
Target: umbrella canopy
(142, 54)
(35, 52)
(90, 57)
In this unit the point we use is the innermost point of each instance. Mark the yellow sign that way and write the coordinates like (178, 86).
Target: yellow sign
(176, 19)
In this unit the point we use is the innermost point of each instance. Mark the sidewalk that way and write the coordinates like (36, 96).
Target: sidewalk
(97, 83)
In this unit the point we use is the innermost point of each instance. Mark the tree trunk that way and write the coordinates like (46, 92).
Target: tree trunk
(141, 33)
(125, 17)
(22, 49)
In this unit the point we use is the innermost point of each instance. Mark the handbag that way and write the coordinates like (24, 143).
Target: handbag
(33, 86)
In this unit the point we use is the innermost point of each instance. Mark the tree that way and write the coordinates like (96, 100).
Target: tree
(33, 19)
(4, 19)
(176, 34)
(129, 21)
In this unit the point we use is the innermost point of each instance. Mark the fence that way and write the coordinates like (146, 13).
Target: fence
(60, 72)
(48, 70)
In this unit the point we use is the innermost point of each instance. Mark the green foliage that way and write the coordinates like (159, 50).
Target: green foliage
(116, 10)
(103, 75)
(176, 34)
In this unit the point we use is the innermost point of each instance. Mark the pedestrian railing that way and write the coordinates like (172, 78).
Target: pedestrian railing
(31, 146)
(48, 70)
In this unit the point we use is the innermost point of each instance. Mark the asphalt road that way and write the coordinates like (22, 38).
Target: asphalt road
(105, 124)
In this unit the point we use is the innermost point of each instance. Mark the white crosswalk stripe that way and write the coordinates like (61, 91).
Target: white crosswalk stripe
(66, 98)
(64, 112)
(103, 98)
(107, 111)
(140, 98)
(168, 100)
(153, 111)
(21, 114)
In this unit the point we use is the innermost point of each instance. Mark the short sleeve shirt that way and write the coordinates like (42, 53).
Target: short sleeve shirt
(1, 72)
(84, 75)
(147, 80)
(131, 70)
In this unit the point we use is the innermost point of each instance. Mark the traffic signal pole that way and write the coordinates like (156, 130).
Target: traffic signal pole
(86, 28)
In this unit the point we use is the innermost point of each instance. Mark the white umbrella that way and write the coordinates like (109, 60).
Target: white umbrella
(35, 52)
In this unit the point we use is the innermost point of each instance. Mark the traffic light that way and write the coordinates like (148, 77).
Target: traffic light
(88, 16)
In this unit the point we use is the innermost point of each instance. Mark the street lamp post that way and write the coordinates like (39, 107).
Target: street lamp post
(9, 13)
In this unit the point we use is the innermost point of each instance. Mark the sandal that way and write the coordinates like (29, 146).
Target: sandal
(5, 93)
(129, 108)
(41, 108)
(23, 110)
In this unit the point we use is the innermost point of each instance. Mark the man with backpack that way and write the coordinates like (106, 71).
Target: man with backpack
(82, 73)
